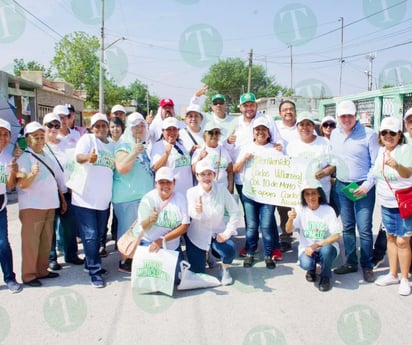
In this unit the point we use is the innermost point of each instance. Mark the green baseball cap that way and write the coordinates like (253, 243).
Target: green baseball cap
(247, 97)
(218, 96)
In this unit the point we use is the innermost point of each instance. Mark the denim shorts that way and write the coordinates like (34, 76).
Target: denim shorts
(394, 224)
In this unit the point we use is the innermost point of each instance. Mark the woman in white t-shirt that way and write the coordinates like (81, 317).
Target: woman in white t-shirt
(91, 200)
(217, 154)
(191, 135)
(170, 152)
(39, 186)
(319, 232)
(393, 171)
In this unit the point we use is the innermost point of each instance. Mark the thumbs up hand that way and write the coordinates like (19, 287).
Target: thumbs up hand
(35, 169)
(93, 156)
(199, 205)
(292, 214)
(153, 216)
(232, 137)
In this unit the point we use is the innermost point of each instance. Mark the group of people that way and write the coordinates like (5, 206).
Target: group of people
(174, 181)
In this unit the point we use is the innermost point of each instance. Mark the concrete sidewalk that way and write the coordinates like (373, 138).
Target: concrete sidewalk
(262, 307)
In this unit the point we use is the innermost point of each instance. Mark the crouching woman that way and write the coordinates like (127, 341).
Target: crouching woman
(319, 231)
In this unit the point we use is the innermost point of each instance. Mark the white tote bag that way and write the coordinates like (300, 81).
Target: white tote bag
(190, 280)
(154, 271)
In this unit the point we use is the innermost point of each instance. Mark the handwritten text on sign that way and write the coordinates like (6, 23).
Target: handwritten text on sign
(275, 180)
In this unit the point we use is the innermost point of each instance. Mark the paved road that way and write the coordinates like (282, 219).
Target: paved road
(262, 307)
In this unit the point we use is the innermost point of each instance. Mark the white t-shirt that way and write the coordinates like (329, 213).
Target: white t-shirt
(220, 159)
(180, 163)
(318, 151)
(97, 192)
(244, 137)
(42, 194)
(70, 139)
(403, 155)
(187, 140)
(65, 157)
(5, 158)
(316, 225)
(212, 220)
(171, 214)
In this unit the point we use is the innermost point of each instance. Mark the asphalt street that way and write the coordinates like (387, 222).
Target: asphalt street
(262, 307)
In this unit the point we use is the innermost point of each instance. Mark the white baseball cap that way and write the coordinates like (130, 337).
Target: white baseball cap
(118, 107)
(203, 165)
(50, 117)
(164, 173)
(346, 108)
(32, 127)
(134, 119)
(407, 114)
(170, 122)
(98, 117)
(5, 124)
(61, 110)
(260, 121)
(391, 123)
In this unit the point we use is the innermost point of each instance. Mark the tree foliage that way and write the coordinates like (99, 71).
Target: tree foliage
(20, 65)
(230, 77)
(76, 61)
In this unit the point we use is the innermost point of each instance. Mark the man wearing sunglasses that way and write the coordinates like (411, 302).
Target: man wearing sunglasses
(354, 148)
(219, 113)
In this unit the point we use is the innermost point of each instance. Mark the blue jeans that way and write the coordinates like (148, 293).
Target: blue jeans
(197, 256)
(324, 256)
(6, 256)
(67, 225)
(260, 216)
(357, 214)
(92, 224)
(126, 213)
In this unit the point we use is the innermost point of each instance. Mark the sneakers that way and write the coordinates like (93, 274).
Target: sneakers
(345, 269)
(368, 275)
(286, 247)
(270, 263)
(98, 282)
(277, 255)
(14, 287)
(310, 276)
(125, 266)
(54, 265)
(324, 284)
(386, 280)
(243, 252)
(404, 287)
(103, 253)
(377, 262)
(226, 277)
(248, 262)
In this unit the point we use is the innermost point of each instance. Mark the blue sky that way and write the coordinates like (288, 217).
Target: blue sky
(169, 44)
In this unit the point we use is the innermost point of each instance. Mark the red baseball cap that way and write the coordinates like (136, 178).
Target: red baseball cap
(166, 101)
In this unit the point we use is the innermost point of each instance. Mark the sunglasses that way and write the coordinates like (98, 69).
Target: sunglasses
(50, 126)
(211, 133)
(329, 124)
(218, 102)
(392, 134)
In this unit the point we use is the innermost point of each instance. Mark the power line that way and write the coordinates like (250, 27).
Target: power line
(37, 18)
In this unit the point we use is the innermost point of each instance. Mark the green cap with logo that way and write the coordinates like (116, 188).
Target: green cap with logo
(247, 97)
(218, 96)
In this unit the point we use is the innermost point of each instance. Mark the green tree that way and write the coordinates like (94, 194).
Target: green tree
(20, 65)
(76, 61)
(230, 77)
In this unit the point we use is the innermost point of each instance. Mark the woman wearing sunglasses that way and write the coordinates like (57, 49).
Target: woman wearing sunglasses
(327, 126)
(65, 226)
(393, 170)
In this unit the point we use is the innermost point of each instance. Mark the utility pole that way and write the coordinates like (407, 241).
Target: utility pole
(101, 68)
(147, 102)
(249, 79)
(341, 55)
(291, 67)
(370, 57)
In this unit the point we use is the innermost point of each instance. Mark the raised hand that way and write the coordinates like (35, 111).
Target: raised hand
(199, 205)
(92, 156)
